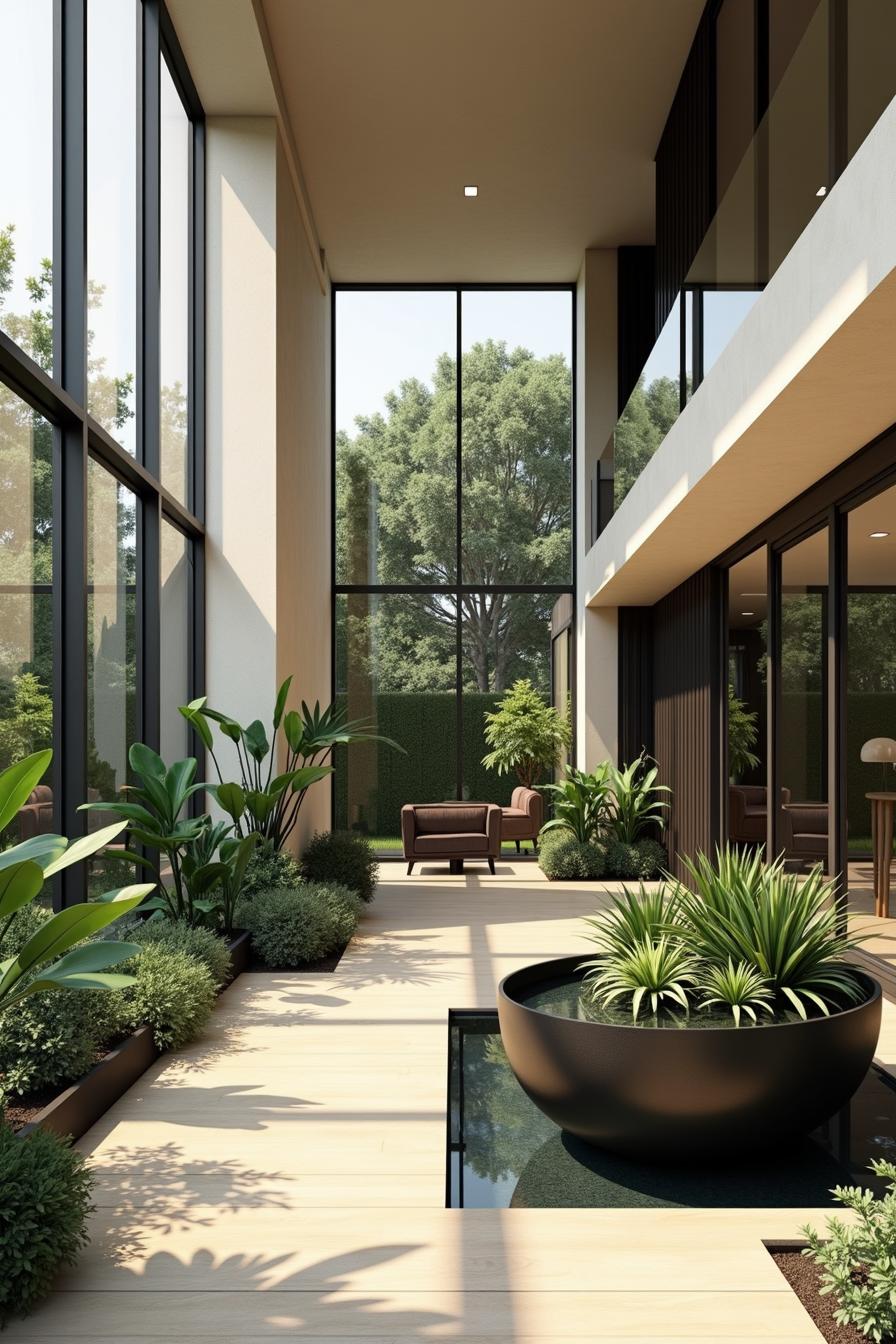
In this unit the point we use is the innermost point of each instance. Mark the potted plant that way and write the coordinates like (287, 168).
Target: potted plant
(527, 735)
(719, 1016)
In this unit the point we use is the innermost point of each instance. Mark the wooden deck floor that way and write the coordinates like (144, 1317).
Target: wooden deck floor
(284, 1178)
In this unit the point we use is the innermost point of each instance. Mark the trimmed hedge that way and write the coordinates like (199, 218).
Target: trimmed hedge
(563, 858)
(345, 858)
(289, 928)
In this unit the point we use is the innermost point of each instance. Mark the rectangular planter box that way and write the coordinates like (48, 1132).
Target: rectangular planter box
(82, 1104)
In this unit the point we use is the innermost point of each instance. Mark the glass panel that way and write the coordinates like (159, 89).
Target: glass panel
(561, 683)
(505, 636)
(111, 645)
(174, 292)
(174, 671)
(112, 215)
(395, 665)
(26, 180)
(802, 730)
(871, 674)
(516, 436)
(26, 588)
(871, 77)
(396, 450)
(723, 312)
(735, 87)
(748, 700)
(651, 410)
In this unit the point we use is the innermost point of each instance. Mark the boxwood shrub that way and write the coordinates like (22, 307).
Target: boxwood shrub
(177, 935)
(563, 858)
(642, 860)
(44, 1203)
(293, 926)
(174, 995)
(270, 870)
(345, 858)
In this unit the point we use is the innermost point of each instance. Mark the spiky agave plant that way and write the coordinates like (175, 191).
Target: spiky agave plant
(657, 970)
(739, 987)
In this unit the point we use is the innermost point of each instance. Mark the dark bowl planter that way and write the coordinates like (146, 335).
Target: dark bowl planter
(660, 1093)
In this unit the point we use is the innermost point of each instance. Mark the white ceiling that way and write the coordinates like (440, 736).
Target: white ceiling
(553, 107)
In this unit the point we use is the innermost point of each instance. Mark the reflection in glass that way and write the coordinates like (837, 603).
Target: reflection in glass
(396, 442)
(174, 670)
(652, 408)
(802, 729)
(26, 588)
(26, 182)
(112, 215)
(748, 700)
(174, 290)
(871, 657)
(395, 666)
(516, 436)
(871, 81)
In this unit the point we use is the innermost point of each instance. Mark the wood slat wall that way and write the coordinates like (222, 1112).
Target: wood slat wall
(635, 642)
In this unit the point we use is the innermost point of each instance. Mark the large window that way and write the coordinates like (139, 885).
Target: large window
(97, 581)
(453, 530)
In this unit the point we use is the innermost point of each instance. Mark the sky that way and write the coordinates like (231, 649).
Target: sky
(383, 337)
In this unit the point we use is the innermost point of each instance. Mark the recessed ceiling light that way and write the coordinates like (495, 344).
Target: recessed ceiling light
(748, 613)
(471, 191)
(877, 536)
(822, 191)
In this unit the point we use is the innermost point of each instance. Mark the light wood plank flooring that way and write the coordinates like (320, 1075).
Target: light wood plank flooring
(284, 1177)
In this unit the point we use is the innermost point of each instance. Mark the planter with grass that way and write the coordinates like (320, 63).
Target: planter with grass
(711, 1020)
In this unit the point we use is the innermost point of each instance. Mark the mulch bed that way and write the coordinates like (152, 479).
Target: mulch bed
(20, 1111)
(324, 964)
(805, 1280)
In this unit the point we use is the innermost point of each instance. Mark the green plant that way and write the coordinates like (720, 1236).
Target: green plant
(177, 935)
(644, 859)
(658, 970)
(342, 857)
(740, 987)
(50, 958)
(858, 1260)
(173, 993)
(581, 803)
(563, 858)
(270, 870)
(633, 918)
(743, 734)
(219, 861)
(526, 734)
(636, 804)
(262, 801)
(301, 924)
(44, 1204)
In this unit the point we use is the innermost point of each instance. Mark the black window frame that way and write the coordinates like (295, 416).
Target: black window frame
(62, 400)
(457, 589)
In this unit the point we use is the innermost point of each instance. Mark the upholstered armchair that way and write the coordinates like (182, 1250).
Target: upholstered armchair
(452, 831)
(524, 818)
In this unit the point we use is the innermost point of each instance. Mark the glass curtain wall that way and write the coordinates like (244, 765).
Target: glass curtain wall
(747, 711)
(453, 530)
(94, 558)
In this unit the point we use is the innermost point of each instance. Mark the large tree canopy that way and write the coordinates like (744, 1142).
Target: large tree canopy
(396, 519)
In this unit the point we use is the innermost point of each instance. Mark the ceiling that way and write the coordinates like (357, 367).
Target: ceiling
(552, 107)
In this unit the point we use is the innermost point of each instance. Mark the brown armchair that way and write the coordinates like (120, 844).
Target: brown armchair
(748, 813)
(35, 817)
(524, 818)
(452, 831)
(806, 832)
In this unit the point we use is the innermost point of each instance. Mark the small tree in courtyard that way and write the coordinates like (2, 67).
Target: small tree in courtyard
(527, 735)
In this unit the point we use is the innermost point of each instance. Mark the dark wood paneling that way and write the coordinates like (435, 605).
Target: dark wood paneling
(687, 710)
(635, 637)
(636, 308)
(686, 169)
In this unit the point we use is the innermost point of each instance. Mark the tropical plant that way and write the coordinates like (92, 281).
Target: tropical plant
(302, 742)
(636, 804)
(526, 734)
(290, 928)
(563, 858)
(45, 1202)
(51, 957)
(743, 735)
(345, 858)
(581, 803)
(659, 970)
(739, 987)
(858, 1260)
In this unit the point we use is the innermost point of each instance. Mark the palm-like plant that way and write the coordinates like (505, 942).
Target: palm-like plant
(637, 802)
(581, 802)
(740, 987)
(657, 970)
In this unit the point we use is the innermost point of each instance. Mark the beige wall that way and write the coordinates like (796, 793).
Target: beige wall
(304, 505)
(596, 394)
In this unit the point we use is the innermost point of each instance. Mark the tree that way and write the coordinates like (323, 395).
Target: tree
(526, 735)
(743, 735)
(649, 414)
(396, 492)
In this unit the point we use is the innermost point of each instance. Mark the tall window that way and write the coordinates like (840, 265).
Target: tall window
(97, 584)
(453, 530)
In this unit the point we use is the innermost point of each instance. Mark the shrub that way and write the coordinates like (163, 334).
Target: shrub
(200, 944)
(174, 994)
(564, 858)
(341, 857)
(637, 803)
(44, 1203)
(270, 870)
(302, 924)
(52, 1037)
(858, 1263)
(643, 859)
